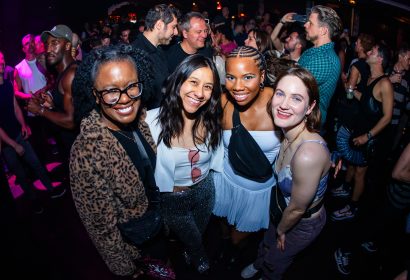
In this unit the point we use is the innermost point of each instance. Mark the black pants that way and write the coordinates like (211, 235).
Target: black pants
(187, 215)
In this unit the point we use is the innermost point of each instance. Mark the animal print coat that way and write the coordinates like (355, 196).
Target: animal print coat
(107, 190)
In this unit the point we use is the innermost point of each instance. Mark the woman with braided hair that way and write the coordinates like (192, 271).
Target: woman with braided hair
(243, 188)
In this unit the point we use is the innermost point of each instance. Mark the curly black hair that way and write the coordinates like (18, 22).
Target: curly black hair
(83, 98)
(170, 114)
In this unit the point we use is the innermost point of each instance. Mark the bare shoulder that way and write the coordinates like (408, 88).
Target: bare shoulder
(386, 83)
(312, 151)
(227, 108)
(67, 79)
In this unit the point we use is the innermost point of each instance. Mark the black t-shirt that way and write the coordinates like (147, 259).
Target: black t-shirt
(159, 66)
(364, 70)
(349, 108)
(8, 120)
(133, 152)
(175, 55)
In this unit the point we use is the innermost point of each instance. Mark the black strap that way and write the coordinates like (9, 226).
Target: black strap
(142, 150)
(236, 119)
(151, 189)
(372, 84)
(309, 212)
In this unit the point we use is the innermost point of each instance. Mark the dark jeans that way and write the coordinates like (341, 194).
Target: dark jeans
(6, 197)
(187, 215)
(15, 164)
(272, 261)
(38, 137)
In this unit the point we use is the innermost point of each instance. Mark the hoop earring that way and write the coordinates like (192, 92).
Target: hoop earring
(261, 86)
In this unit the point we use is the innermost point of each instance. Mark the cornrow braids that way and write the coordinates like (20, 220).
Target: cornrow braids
(250, 52)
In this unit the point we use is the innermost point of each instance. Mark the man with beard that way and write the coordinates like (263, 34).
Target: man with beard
(294, 43)
(161, 24)
(57, 105)
(321, 60)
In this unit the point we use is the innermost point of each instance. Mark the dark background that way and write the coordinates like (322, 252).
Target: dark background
(19, 17)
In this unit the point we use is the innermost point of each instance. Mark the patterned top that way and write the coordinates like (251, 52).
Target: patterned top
(107, 190)
(285, 178)
(324, 65)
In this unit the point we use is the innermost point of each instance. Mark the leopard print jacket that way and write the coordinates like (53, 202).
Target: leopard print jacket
(107, 190)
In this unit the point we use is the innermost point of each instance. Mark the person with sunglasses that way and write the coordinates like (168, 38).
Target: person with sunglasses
(187, 130)
(108, 171)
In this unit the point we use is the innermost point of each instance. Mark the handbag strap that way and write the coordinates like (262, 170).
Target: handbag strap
(150, 187)
(236, 122)
(236, 119)
(142, 150)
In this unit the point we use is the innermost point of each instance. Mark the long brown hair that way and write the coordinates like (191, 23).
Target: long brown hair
(313, 119)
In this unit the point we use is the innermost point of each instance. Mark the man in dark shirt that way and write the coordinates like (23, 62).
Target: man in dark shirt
(16, 149)
(194, 30)
(161, 25)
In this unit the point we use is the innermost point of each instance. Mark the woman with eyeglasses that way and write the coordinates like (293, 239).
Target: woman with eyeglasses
(187, 130)
(108, 174)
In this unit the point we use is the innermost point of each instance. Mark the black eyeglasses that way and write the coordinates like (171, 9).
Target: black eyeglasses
(112, 96)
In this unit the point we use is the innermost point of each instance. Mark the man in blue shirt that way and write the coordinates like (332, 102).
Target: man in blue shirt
(321, 60)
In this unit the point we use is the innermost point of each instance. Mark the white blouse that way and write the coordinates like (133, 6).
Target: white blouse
(179, 166)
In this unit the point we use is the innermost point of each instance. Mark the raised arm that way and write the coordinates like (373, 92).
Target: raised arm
(276, 31)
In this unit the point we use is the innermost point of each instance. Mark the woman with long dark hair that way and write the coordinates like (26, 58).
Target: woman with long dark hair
(187, 130)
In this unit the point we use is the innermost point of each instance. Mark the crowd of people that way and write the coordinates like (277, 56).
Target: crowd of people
(186, 119)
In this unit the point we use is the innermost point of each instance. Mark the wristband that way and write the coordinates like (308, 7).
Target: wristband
(369, 135)
(281, 21)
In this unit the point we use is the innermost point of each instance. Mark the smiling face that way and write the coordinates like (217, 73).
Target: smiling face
(196, 91)
(197, 33)
(290, 103)
(243, 79)
(251, 40)
(168, 31)
(117, 74)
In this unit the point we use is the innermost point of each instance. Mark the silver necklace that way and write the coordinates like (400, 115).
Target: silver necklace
(123, 134)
